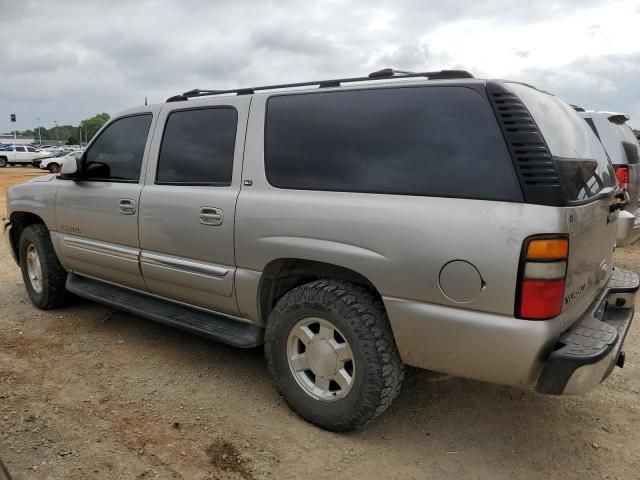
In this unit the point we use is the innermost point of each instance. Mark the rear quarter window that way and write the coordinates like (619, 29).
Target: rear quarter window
(429, 141)
(582, 162)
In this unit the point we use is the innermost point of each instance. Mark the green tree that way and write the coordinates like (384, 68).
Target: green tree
(72, 140)
(637, 132)
(90, 126)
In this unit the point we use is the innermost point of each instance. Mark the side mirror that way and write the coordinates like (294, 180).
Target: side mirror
(70, 169)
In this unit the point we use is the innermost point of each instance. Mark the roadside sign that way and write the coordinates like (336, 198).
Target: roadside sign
(13, 117)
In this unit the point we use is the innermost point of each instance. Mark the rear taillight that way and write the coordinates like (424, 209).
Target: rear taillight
(542, 277)
(622, 174)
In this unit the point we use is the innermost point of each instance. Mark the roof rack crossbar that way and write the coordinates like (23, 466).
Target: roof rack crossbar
(384, 74)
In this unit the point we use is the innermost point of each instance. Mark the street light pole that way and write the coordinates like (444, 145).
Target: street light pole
(55, 122)
(39, 134)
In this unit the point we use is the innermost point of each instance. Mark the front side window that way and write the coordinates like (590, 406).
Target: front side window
(429, 141)
(117, 153)
(582, 162)
(198, 147)
(21, 149)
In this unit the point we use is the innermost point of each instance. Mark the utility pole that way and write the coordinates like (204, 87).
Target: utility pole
(39, 134)
(55, 122)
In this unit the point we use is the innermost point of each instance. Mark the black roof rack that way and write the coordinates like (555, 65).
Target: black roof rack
(379, 75)
(577, 108)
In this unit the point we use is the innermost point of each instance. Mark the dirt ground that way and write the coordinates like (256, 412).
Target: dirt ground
(88, 392)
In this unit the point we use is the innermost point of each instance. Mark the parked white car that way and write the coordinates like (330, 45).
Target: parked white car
(19, 155)
(53, 164)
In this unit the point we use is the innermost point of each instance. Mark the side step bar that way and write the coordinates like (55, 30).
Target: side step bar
(210, 325)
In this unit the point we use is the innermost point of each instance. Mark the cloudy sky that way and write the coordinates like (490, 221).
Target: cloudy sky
(69, 60)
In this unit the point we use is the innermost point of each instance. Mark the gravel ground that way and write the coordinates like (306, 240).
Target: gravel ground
(88, 392)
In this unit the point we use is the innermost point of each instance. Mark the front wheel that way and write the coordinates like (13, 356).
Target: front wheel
(331, 352)
(53, 167)
(3, 162)
(43, 275)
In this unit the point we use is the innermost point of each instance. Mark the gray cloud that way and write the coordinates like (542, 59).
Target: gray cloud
(608, 82)
(69, 63)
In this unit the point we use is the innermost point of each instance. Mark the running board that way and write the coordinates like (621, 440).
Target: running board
(216, 327)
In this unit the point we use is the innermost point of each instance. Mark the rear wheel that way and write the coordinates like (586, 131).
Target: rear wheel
(332, 355)
(3, 162)
(43, 275)
(53, 167)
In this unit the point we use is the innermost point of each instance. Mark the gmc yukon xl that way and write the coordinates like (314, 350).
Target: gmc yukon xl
(351, 226)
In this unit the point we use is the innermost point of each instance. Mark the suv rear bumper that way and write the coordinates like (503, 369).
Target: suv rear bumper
(505, 350)
(589, 350)
(628, 227)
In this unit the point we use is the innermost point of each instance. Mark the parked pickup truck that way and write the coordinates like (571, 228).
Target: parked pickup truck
(19, 155)
(351, 226)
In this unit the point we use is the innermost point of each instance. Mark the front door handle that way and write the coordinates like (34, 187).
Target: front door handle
(127, 206)
(210, 216)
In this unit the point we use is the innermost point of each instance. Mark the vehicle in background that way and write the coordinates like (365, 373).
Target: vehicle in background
(19, 155)
(50, 155)
(623, 149)
(53, 164)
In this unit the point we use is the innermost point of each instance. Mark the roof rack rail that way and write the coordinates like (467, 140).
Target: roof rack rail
(379, 75)
(577, 108)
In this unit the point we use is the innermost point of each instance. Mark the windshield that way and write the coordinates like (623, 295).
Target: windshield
(583, 164)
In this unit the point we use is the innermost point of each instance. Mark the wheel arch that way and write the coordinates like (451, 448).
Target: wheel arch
(20, 221)
(284, 274)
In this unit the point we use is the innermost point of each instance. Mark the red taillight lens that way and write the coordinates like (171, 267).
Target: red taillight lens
(541, 299)
(542, 277)
(622, 174)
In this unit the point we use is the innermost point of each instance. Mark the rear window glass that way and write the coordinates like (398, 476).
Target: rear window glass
(198, 147)
(582, 162)
(629, 142)
(433, 141)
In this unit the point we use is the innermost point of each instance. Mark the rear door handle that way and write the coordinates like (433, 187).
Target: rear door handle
(127, 206)
(210, 216)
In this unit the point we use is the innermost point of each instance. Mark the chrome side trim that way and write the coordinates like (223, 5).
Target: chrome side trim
(102, 247)
(193, 266)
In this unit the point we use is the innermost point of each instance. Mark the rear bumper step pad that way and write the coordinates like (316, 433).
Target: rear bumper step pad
(590, 348)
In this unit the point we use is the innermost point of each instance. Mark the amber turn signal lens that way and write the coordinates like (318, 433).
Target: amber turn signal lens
(551, 249)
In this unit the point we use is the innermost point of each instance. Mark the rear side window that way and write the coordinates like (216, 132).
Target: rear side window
(432, 141)
(629, 142)
(198, 147)
(582, 162)
(117, 153)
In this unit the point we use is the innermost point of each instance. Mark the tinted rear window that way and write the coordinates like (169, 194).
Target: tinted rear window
(198, 147)
(582, 162)
(434, 141)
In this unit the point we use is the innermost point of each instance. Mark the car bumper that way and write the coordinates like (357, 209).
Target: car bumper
(628, 228)
(8, 238)
(502, 349)
(588, 351)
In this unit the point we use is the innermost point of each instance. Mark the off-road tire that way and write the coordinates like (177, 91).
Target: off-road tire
(361, 318)
(54, 276)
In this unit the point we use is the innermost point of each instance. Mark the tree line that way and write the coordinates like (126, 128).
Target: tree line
(68, 133)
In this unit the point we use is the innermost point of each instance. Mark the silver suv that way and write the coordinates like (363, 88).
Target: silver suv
(351, 226)
(623, 149)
